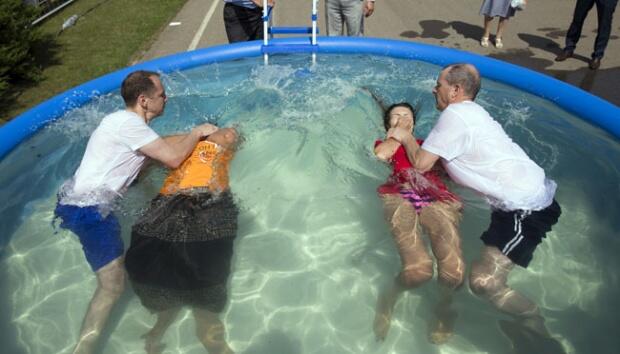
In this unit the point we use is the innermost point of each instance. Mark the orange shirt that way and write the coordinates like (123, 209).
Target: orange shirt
(206, 167)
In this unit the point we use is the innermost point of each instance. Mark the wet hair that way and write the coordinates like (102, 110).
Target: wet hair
(137, 83)
(387, 111)
(466, 76)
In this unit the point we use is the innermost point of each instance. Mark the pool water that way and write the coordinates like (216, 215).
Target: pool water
(313, 251)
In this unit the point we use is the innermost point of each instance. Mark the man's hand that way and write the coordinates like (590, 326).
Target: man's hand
(399, 134)
(405, 123)
(206, 129)
(369, 8)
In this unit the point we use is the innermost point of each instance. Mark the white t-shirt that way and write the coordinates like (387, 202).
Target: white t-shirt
(112, 160)
(477, 153)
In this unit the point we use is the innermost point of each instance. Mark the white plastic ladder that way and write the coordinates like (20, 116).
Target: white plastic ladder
(268, 32)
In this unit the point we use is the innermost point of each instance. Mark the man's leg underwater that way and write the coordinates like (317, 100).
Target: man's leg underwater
(110, 286)
(488, 279)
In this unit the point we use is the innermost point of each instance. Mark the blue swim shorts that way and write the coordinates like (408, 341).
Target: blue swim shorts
(100, 237)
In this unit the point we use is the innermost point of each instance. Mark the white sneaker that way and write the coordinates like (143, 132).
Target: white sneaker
(498, 43)
(484, 41)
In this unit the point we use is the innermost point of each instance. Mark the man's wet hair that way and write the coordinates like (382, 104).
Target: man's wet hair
(137, 83)
(466, 76)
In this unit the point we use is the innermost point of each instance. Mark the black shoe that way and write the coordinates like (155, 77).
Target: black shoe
(594, 63)
(565, 54)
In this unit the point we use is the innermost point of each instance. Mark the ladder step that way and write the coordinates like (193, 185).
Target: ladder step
(291, 30)
(288, 48)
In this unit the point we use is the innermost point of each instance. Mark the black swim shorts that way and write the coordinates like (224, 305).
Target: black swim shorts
(517, 233)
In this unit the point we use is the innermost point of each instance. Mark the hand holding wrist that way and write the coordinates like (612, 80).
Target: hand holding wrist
(204, 130)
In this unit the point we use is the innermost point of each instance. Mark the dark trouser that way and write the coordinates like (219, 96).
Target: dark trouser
(605, 10)
(243, 24)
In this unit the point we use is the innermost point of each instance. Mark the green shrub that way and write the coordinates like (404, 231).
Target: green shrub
(17, 40)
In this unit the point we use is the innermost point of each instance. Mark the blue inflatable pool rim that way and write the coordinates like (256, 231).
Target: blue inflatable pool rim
(574, 100)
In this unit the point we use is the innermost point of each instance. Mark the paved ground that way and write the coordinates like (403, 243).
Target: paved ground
(533, 38)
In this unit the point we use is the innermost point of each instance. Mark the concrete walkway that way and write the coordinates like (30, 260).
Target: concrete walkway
(533, 37)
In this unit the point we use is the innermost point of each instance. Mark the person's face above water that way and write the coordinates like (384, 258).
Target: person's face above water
(157, 101)
(401, 117)
(443, 92)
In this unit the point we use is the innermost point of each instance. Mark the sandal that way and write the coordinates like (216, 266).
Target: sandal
(498, 43)
(484, 41)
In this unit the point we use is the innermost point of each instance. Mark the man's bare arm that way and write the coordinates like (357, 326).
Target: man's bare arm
(173, 150)
(421, 159)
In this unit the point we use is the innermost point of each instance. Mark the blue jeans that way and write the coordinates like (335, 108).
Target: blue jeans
(605, 11)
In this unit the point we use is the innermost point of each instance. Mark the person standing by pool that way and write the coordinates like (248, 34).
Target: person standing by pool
(349, 13)
(413, 201)
(477, 153)
(115, 153)
(243, 19)
(491, 9)
(605, 10)
(182, 245)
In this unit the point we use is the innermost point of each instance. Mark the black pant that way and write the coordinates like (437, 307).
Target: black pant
(605, 10)
(243, 24)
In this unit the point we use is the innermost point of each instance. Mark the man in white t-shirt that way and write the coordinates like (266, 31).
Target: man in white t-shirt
(115, 153)
(477, 153)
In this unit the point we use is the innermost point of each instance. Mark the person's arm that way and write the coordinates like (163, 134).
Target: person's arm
(174, 139)
(369, 7)
(421, 159)
(386, 149)
(173, 150)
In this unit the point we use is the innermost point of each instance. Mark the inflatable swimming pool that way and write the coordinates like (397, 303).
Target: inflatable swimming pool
(312, 246)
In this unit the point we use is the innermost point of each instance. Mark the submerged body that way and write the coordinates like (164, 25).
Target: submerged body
(416, 202)
(181, 247)
(115, 154)
(478, 154)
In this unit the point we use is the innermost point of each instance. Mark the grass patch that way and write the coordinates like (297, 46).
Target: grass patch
(108, 35)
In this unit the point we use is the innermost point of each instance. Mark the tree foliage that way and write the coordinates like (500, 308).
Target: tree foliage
(17, 41)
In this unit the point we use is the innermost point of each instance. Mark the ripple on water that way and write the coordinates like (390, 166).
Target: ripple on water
(313, 250)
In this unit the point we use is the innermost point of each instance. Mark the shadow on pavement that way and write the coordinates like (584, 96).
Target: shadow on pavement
(467, 30)
(430, 29)
(554, 32)
(542, 43)
(435, 29)
(600, 82)
(522, 57)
